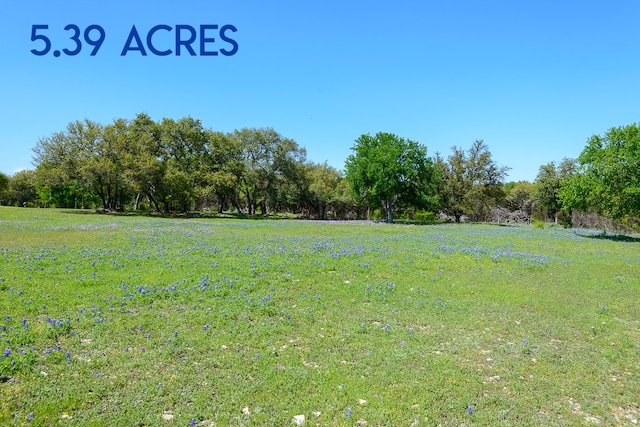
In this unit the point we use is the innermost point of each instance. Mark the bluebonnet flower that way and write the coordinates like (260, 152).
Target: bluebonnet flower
(6, 352)
(349, 413)
(525, 341)
(30, 416)
(469, 410)
(403, 344)
(386, 327)
(192, 422)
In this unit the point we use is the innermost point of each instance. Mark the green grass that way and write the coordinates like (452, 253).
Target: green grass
(241, 322)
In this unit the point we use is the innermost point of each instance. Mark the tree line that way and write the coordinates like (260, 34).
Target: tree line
(180, 166)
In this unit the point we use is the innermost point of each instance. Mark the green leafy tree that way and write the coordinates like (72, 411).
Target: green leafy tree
(22, 188)
(473, 182)
(184, 150)
(223, 167)
(607, 179)
(4, 188)
(269, 162)
(145, 165)
(60, 159)
(388, 170)
(323, 187)
(548, 184)
(520, 196)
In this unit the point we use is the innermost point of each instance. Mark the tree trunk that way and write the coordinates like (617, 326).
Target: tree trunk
(388, 207)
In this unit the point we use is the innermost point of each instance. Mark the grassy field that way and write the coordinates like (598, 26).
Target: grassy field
(135, 321)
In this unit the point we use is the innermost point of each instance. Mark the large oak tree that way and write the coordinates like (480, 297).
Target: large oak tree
(388, 170)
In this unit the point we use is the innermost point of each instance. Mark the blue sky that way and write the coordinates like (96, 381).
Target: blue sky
(533, 79)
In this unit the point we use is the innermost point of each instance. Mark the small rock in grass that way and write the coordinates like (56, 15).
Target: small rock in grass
(246, 411)
(167, 416)
(298, 420)
(316, 414)
(362, 402)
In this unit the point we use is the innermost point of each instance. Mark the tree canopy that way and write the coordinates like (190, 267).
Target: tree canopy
(473, 182)
(607, 179)
(389, 170)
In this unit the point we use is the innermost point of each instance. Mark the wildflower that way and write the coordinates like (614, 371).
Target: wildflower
(469, 410)
(349, 413)
(403, 344)
(30, 416)
(6, 353)
(24, 323)
(525, 341)
(192, 422)
(386, 327)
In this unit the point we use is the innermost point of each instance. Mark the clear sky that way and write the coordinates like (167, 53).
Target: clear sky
(533, 79)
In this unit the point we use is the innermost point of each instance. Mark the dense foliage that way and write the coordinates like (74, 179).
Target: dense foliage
(473, 182)
(180, 166)
(607, 180)
(389, 170)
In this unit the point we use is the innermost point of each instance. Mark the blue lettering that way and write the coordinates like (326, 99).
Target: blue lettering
(150, 44)
(185, 43)
(233, 43)
(127, 46)
(204, 39)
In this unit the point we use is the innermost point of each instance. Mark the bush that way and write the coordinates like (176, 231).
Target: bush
(538, 224)
(425, 216)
